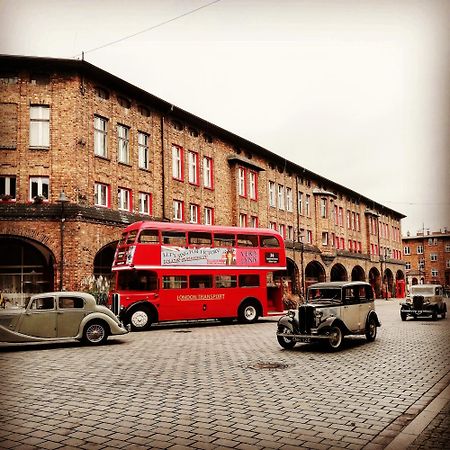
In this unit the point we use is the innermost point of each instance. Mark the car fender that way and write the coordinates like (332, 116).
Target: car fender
(13, 336)
(114, 327)
(331, 322)
(288, 322)
(375, 316)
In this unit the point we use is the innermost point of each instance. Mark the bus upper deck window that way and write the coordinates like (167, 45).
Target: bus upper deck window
(131, 236)
(224, 240)
(269, 241)
(247, 240)
(149, 237)
(198, 238)
(177, 238)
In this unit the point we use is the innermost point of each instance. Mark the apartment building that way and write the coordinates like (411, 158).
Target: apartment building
(427, 257)
(84, 153)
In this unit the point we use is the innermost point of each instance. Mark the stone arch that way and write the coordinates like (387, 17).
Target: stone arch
(358, 274)
(388, 283)
(27, 267)
(338, 273)
(314, 273)
(103, 260)
(375, 281)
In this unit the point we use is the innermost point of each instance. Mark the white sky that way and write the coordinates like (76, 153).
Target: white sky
(355, 90)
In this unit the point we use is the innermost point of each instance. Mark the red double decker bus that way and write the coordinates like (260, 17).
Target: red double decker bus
(170, 271)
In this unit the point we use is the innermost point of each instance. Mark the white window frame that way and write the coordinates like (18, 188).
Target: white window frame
(194, 213)
(100, 136)
(300, 203)
(323, 208)
(307, 205)
(178, 213)
(241, 182)
(324, 238)
(434, 273)
(39, 126)
(124, 199)
(282, 230)
(272, 200)
(252, 184)
(207, 172)
(208, 216)
(433, 257)
(7, 188)
(193, 167)
(145, 203)
(242, 220)
(38, 185)
(143, 151)
(420, 249)
(123, 144)
(177, 162)
(290, 233)
(289, 200)
(280, 197)
(101, 195)
(253, 223)
(309, 237)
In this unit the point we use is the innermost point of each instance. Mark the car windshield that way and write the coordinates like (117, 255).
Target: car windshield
(321, 294)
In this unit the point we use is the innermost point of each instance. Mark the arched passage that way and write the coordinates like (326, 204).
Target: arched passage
(314, 273)
(358, 274)
(103, 260)
(338, 273)
(26, 268)
(375, 281)
(388, 283)
(400, 284)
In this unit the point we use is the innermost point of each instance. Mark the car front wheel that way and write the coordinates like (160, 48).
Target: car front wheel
(285, 342)
(140, 320)
(403, 316)
(336, 338)
(371, 329)
(95, 333)
(248, 312)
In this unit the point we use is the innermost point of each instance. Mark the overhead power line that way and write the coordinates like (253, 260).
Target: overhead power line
(148, 29)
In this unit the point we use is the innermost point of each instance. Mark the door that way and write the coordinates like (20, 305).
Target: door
(350, 310)
(70, 313)
(39, 320)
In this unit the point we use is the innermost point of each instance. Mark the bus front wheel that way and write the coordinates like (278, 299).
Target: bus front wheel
(140, 319)
(248, 312)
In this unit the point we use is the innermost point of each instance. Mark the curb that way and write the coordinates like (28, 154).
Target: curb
(409, 434)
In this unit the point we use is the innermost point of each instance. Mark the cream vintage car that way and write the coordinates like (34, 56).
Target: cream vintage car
(424, 300)
(57, 316)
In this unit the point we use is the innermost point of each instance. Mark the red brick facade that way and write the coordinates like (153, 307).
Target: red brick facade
(343, 232)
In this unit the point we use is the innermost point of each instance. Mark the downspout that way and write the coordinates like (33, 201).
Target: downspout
(163, 167)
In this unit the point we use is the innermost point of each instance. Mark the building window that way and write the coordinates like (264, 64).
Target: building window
(300, 203)
(289, 200)
(241, 182)
(208, 216)
(447, 248)
(145, 203)
(102, 93)
(433, 257)
(358, 222)
(323, 208)
(8, 187)
(272, 194)
(207, 172)
(282, 230)
(100, 136)
(177, 163)
(408, 266)
(253, 222)
(434, 273)
(421, 263)
(193, 168)
(280, 196)
(194, 213)
(309, 237)
(420, 249)
(40, 126)
(143, 155)
(242, 220)
(290, 233)
(123, 141)
(101, 194)
(39, 187)
(124, 199)
(447, 264)
(252, 185)
(349, 225)
(178, 210)
(406, 250)
(272, 225)
(307, 203)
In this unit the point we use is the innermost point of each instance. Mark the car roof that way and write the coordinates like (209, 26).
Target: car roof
(63, 293)
(338, 284)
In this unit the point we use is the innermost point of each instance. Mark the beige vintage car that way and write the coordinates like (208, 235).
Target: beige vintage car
(424, 300)
(59, 316)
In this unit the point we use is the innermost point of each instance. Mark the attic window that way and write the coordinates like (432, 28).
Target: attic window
(208, 138)
(8, 78)
(40, 79)
(124, 102)
(143, 111)
(248, 155)
(102, 93)
(193, 132)
(177, 125)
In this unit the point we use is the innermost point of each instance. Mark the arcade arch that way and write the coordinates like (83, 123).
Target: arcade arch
(314, 273)
(338, 273)
(358, 274)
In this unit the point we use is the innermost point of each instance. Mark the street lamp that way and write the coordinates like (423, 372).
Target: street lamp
(63, 200)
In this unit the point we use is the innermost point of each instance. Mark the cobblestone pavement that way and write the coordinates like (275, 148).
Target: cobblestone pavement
(211, 386)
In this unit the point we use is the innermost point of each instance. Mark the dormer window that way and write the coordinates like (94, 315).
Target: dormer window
(124, 102)
(102, 93)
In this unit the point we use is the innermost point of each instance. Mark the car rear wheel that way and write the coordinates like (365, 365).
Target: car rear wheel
(371, 329)
(336, 338)
(285, 342)
(140, 319)
(95, 333)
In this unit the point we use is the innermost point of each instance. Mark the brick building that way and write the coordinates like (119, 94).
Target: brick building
(119, 154)
(427, 257)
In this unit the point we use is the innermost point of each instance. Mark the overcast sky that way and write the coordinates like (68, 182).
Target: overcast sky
(355, 90)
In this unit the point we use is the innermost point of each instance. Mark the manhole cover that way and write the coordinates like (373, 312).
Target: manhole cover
(268, 365)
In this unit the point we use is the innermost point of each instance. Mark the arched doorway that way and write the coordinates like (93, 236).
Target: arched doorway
(375, 281)
(358, 274)
(314, 273)
(388, 283)
(338, 273)
(103, 260)
(26, 268)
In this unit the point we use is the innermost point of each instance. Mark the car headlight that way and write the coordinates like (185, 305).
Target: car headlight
(291, 313)
(318, 314)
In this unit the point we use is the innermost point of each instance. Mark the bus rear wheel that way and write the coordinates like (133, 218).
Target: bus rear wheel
(140, 319)
(248, 312)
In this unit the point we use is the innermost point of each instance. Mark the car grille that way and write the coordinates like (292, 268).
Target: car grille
(418, 301)
(306, 318)
(115, 307)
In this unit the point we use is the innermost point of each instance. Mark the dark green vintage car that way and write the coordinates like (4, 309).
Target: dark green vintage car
(59, 316)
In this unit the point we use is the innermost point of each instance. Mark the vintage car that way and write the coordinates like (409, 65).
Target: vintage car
(331, 311)
(59, 315)
(424, 300)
